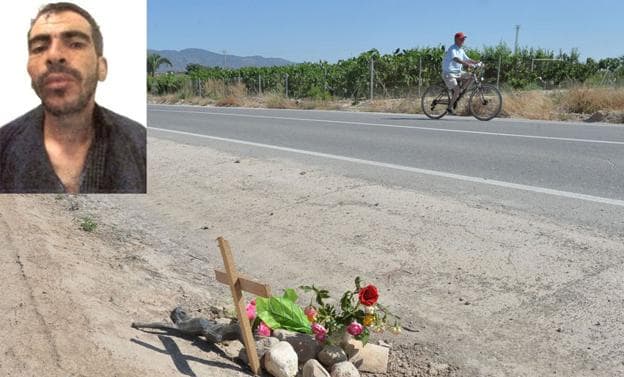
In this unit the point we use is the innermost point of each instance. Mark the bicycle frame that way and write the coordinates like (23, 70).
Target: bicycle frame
(475, 83)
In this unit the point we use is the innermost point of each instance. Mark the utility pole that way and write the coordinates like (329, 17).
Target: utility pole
(516, 43)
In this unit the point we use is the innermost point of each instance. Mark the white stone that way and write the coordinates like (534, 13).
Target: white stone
(367, 358)
(312, 368)
(232, 348)
(304, 344)
(344, 369)
(263, 344)
(281, 360)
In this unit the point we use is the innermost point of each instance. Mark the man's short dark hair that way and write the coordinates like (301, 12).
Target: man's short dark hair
(96, 34)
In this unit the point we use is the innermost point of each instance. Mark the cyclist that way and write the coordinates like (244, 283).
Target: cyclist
(455, 59)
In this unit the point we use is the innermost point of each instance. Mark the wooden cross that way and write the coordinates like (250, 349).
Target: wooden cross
(238, 284)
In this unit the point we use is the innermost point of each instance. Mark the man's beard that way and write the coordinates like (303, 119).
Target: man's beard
(71, 107)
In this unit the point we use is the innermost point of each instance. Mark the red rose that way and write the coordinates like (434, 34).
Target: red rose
(368, 295)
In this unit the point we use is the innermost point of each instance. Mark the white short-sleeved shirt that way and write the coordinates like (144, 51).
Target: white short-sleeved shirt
(451, 66)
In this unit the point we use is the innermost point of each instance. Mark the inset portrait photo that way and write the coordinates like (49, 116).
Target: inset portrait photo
(73, 109)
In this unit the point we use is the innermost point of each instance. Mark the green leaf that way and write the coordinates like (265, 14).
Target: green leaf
(282, 313)
(345, 302)
(358, 282)
(290, 294)
(363, 337)
(320, 295)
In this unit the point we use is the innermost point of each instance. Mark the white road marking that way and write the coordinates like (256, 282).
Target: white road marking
(492, 182)
(399, 126)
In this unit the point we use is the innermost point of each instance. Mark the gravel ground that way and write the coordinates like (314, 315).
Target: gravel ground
(485, 291)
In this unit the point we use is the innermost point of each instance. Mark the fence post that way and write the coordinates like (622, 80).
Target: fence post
(259, 84)
(286, 85)
(372, 77)
(498, 71)
(325, 86)
(419, 74)
(199, 88)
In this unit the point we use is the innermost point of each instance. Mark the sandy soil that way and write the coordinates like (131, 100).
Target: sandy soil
(483, 292)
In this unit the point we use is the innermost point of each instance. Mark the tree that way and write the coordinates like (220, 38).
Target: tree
(154, 61)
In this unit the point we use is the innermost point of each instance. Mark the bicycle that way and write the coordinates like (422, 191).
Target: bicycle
(485, 101)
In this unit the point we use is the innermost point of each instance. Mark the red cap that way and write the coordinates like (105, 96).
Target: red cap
(460, 35)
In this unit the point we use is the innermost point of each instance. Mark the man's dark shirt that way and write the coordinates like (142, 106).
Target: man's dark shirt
(115, 162)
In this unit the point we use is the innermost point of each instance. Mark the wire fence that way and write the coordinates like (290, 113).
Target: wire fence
(374, 83)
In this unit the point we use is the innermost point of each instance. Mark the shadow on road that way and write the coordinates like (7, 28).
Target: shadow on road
(181, 360)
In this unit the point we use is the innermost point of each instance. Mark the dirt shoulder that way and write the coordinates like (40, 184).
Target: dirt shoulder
(484, 292)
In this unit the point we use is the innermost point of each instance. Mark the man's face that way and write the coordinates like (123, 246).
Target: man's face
(460, 41)
(62, 62)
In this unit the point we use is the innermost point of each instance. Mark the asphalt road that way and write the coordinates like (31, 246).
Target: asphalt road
(569, 172)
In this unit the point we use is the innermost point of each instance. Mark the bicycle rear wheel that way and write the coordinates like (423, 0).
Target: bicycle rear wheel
(435, 101)
(485, 102)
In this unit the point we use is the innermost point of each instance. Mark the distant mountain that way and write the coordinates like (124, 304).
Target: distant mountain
(180, 59)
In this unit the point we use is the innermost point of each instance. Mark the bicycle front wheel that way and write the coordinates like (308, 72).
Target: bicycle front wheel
(485, 102)
(435, 101)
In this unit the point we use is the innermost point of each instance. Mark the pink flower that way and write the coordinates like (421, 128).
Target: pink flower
(320, 333)
(310, 312)
(317, 328)
(251, 310)
(355, 328)
(263, 329)
(320, 337)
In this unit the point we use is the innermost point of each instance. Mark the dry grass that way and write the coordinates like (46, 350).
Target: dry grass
(406, 106)
(229, 101)
(534, 104)
(574, 104)
(580, 103)
(584, 100)
(218, 89)
(323, 105)
(202, 101)
(214, 89)
(277, 101)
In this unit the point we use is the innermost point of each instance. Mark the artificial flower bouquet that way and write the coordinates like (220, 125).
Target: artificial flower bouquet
(358, 313)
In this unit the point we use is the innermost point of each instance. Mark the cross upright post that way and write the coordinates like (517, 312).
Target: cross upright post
(238, 284)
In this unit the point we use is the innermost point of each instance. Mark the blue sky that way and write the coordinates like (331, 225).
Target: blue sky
(338, 29)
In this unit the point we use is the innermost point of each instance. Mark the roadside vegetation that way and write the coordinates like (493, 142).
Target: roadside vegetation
(536, 84)
(88, 224)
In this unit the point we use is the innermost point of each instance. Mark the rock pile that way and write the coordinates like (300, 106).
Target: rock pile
(287, 353)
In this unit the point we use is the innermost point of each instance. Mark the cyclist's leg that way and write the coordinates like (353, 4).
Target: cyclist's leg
(451, 83)
(466, 80)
